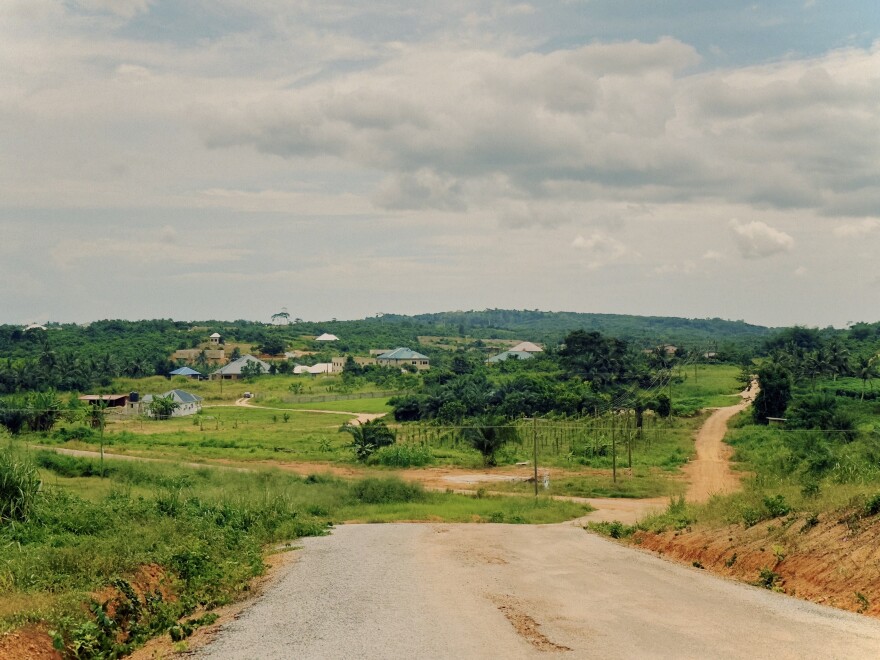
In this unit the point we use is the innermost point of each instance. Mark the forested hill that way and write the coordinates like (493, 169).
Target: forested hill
(553, 326)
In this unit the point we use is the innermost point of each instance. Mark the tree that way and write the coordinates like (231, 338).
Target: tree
(775, 391)
(272, 346)
(163, 407)
(368, 437)
(251, 370)
(866, 370)
(487, 435)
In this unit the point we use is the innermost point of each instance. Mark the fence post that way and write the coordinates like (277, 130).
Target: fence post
(535, 443)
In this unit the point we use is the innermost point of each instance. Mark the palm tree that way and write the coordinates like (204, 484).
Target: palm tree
(368, 437)
(866, 371)
(837, 357)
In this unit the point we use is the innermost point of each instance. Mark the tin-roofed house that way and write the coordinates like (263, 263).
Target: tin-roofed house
(187, 403)
(232, 371)
(405, 358)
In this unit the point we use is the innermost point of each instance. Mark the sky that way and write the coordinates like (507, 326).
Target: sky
(230, 159)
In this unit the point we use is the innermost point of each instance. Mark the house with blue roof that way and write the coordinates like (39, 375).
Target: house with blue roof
(404, 358)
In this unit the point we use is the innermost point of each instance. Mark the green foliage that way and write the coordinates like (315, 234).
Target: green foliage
(614, 529)
(772, 399)
(163, 407)
(399, 455)
(19, 487)
(872, 506)
(388, 490)
(769, 579)
(821, 411)
(487, 434)
(369, 436)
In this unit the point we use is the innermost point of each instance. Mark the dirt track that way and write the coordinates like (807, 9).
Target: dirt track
(709, 473)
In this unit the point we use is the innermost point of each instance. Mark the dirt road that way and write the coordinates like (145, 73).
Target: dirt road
(709, 473)
(516, 591)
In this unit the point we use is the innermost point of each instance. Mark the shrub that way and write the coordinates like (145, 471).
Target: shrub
(872, 506)
(19, 486)
(386, 491)
(776, 506)
(402, 456)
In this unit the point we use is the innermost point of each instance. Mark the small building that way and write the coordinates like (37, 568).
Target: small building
(187, 403)
(526, 347)
(402, 357)
(327, 337)
(216, 339)
(320, 368)
(109, 400)
(186, 372)
(212, 355)
(232, 371)
(510, 355)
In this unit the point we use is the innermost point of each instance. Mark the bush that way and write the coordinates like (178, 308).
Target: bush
(386, 491)
(402, 456)
(81, 433)
(19, 486)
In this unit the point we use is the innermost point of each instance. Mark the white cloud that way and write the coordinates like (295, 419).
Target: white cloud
(601, 249)
(757, 239)
(854, 229)
(712, 255)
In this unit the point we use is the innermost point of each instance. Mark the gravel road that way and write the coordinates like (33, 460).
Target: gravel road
(517, 591)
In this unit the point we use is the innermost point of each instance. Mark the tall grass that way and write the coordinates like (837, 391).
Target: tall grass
(19, 486)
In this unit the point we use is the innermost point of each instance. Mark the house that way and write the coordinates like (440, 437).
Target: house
(320, 368)
(232, 371)
(216, 339)
(339, 362)
(327, 337)
(510, 355)
(212, 356)
(401, 357)
(109, 400)
(187, 403)
(187, 372)
(526, 347)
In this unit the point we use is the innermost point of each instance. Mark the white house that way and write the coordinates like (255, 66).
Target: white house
(327, 337)
(187, 403)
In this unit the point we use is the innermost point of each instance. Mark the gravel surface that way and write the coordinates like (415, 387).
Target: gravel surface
(516, 591)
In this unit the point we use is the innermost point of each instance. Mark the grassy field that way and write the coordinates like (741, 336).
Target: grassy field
(713, 386)
(265, 388)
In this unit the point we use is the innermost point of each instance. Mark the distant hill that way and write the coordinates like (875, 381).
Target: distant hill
(551, 327)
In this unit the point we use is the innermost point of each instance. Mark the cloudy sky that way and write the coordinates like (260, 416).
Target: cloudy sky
(226, 159)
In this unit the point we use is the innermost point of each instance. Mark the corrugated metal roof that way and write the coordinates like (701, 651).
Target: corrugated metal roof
(516, 355)
(234, 367)
(402, 354)
(528, 347)
(184, 371)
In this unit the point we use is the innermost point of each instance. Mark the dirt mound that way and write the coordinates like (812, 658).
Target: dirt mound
(28, 642)
(833, 558)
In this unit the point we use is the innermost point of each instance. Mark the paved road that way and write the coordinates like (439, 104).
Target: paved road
(511, 591)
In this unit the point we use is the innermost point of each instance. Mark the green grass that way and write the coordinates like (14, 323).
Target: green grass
(713, 386)
(266, 388)
(642, 483)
